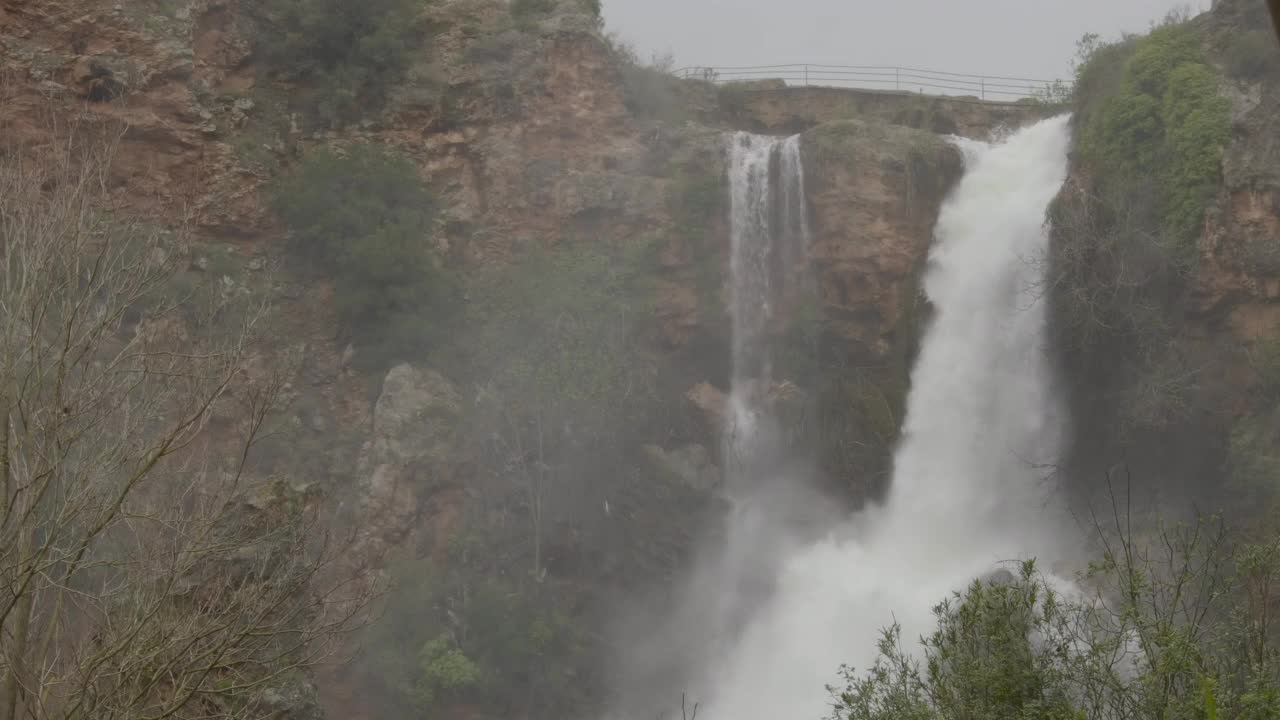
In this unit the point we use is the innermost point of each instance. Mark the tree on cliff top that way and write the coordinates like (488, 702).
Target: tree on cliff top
(142, 573)
(364, 218)
(347, 54)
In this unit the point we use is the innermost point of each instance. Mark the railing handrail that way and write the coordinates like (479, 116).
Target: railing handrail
(813, 74)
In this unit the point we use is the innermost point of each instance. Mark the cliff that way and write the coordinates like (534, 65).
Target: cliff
(547, 453)
(1165, 298)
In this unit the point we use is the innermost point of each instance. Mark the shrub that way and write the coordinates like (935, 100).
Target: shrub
(1157, 55)
(1099, 73)
(364, 218)
(348, 54)
(1252, 55)
(531, 9)
(1197, 128)
(1176, 633)
(559, 328)
(999, 651)
(445, 671)
(649, 90)
(467, 634)
(1159, 117)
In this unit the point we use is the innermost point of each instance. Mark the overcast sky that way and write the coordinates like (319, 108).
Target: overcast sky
(1024, 38)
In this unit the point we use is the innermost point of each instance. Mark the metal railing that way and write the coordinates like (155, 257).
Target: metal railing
(891, 78)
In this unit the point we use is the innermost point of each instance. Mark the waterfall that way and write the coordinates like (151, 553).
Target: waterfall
(966, 492)
(769, 231)
(772, 513)
(769, 237)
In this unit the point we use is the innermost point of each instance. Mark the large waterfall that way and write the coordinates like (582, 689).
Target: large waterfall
(966, 493)
(790, 592)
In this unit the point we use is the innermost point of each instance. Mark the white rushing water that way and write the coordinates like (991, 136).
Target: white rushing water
(769, 244)
(772, 515)
(966, 493)
(767, 270)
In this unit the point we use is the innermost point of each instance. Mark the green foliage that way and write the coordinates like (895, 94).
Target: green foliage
(1175, 635)
(364, 218)
(696, 200)
(525, 10)
(446, 672)
(1158, 54)
(1254, 458)
(1197, 127)
(997, 654)
(1157, 115)
(982, 661)
(1150, 136)
(1129, 132)
(346, 55)
(557, 328)
(1252, 55)
(893, 688)
(649, 89)
(467, 635)
(1265, 359)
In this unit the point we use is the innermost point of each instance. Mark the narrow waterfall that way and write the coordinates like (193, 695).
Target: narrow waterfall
(769, 240)
(772, 512)
(767, 271)
(966, 495)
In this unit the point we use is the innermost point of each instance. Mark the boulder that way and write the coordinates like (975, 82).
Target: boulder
(410, 448)
(414, 419)
(711, 402)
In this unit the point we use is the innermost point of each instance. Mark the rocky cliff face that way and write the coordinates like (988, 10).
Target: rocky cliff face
(1176, 381)
(532, 140)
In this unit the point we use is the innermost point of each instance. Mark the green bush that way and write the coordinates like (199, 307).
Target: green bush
(1160, 53)
(347, 55)
(531, 9)
(558, 329)
(998, 652)
(1160, 117)
(649, 89)
(364, 218)
(1252, 55)
(1169, 634)
(445, 672)
(468, 635)
(528, 10)
(1099, 73)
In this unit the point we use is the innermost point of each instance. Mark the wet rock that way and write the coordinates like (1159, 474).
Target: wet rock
(100, 78)
(414, 418)
(711, 402)
(409, 452)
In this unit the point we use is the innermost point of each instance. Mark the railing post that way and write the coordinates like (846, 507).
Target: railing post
(897, 79)
(806, 75)
(982, 84)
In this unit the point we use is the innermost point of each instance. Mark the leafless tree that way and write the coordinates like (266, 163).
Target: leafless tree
(145, 572)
